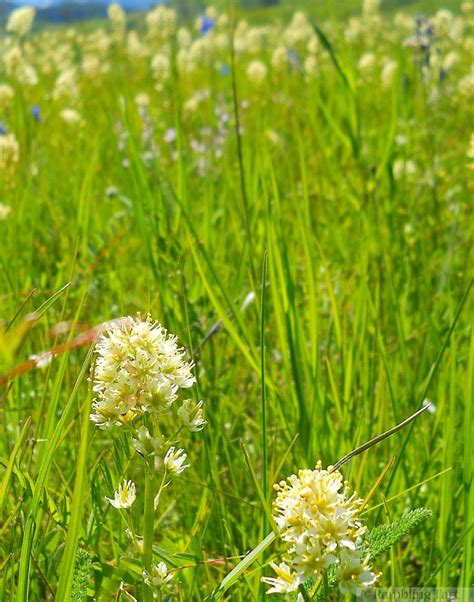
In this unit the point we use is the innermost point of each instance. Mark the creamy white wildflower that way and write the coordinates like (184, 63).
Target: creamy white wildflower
(124, 496)
(451, 60)
(184, 37)
(174, 460)
(9, 151)
(466, 86)
(370, 7)
(6, 94)
(5, 211)
(279, 59)
(135, 48)
(71, 116)
(256, 72)
(366, 64)
(318, 520)
(118, 19)
(142, 100)
(402, 21)
(161, 67)
(21, 20)
(354, 29)
(26, 74)
(310, 67)
(191, 415)
(139, 369)
(161, 22)
(354, 572)
(470, 150)
(159, 577)
(298, 32)
(388, 73)
(403, 168)
(18, 68)
(66, 85)
(442, 22)
(191, 105)
(12, 60)
(285, 582)
(92, 66)
(145, 444)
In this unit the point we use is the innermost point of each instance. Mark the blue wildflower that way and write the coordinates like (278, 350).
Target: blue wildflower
(36, 113)
(207, 25)
(3, 129)
(224, 70)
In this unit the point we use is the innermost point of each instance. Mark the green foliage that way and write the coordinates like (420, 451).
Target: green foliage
(80, 581)
(382, 537)
(357, 198)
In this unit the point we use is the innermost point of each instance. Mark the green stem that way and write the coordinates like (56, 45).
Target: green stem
(326, 585)
(304, 593)
(148, 523)
(163, 484)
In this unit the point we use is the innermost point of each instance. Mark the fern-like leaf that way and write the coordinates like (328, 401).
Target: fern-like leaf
(81, 576)
(383, 537)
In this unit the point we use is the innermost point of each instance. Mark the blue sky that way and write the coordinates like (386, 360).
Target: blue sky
(46, 3)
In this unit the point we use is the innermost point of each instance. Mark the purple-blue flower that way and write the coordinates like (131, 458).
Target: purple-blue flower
(207, 25)
(36, 113)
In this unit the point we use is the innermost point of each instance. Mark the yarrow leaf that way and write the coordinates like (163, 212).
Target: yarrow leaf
(381, 538)
(81, 576)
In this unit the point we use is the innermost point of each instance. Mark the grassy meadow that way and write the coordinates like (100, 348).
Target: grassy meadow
(288, 194)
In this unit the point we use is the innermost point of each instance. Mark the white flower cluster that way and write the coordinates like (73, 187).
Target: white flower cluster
(7, 94)
(9, 151)
(470, 152)
(161, 22)
(118, 20)
(139, 370)
(256, 72)
(21, 20)
(71, 116)
(5, 211)
(318, 521)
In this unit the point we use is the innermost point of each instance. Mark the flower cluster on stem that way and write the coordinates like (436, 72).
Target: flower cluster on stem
(137, 377)
(319, 523)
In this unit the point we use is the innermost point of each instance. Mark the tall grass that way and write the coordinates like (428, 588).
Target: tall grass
(357, 312)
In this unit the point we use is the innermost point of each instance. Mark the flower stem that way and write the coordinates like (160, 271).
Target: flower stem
(163, 484)
(148, 523)
(304, 593)
(326, 585)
